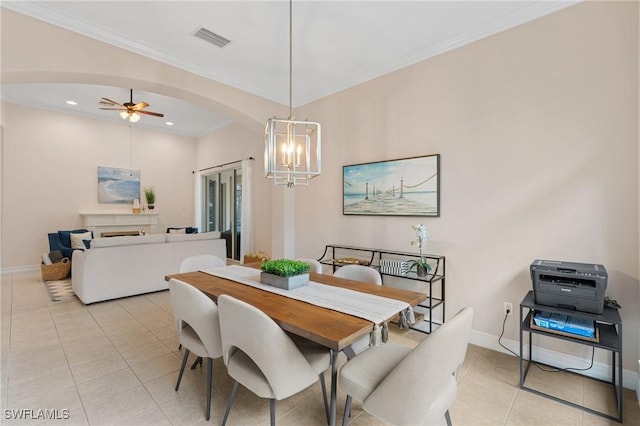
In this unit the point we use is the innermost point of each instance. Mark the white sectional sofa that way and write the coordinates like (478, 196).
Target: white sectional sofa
(125, 266)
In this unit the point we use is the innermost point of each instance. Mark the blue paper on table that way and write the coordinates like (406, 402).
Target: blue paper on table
(565, 323)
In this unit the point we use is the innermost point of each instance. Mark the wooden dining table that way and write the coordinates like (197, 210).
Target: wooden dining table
(332, 329)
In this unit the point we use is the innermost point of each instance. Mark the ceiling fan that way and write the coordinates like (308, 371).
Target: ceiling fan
(129, 110)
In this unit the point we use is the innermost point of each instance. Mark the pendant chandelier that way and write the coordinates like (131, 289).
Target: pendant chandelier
(292, 148)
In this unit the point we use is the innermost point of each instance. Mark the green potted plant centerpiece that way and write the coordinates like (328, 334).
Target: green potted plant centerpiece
(421, 265)
(285, 273)
(150, 195)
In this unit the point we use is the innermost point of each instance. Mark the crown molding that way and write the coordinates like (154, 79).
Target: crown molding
(79, 26)
(536, 10)
(512, 20)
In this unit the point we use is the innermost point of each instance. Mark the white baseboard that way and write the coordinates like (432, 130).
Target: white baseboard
(17, 269)
(630, 379)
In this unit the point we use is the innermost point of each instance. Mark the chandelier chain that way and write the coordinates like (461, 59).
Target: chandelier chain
(290, 59)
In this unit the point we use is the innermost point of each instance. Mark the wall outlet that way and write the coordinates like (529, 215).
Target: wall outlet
(508, 308)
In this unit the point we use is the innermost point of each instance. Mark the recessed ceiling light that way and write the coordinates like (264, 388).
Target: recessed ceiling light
(72, 103)
(169, 123)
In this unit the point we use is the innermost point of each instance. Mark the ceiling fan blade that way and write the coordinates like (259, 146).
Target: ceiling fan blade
(129, 107)
(140, 105)
(107, 104)
(155, 114)
(112, 102)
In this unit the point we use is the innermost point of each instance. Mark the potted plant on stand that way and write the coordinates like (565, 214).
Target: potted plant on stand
(150, 195)
(422, 265)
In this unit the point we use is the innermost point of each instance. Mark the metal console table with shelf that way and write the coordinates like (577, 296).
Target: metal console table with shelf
(433, 282)
(609, 326)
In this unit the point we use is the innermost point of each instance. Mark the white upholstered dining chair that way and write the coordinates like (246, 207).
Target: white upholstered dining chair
(359, 273)
(263, 358)
(201, 262)
(314, 265)
(405, 386)
(365, 274)
(197, 321)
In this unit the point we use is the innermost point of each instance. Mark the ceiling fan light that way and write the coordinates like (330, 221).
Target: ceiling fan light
(129, 110)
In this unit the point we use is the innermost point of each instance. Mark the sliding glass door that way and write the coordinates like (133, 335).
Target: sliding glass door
(222, 207)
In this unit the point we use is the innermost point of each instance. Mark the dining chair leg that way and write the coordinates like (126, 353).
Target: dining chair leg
(324, 396)
(272, 411)
(347, 411)
(234, 390)
(196, 362)
(447, 417)
(184, 362)
(334, 387)
(208, 393)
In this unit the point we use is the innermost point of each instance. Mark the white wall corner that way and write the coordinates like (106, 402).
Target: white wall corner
(638, 384)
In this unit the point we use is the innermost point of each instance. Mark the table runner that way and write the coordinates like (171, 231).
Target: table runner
(376, 309)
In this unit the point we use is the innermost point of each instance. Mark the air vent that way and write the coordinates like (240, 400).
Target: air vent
(211, 37)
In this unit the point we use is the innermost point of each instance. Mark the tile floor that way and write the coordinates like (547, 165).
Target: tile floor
(116, 362)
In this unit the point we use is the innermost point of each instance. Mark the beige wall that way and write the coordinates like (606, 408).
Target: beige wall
(50, 165)
(537, 128)
(638, 102)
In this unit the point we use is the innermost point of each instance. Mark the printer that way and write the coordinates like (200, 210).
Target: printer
(570, 285)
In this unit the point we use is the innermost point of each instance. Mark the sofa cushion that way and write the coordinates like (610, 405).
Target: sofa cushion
(77, 239)
(128, 240)
(65, 236)
(214, 235)
(187, 230)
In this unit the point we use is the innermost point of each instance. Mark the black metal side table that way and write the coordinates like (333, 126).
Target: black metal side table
(609, 326)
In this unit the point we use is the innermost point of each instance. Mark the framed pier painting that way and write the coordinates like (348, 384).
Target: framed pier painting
(404, 187)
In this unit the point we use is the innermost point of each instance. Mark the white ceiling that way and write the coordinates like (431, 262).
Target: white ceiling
(336, 45)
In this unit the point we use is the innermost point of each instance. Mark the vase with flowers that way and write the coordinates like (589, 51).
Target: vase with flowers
(422, 265)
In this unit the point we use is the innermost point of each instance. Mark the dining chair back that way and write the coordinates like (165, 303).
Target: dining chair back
(198, 325)
(364, 274)
(414, 387)
(201, 262)
(359, 273)
(262, 357)
(314, 265)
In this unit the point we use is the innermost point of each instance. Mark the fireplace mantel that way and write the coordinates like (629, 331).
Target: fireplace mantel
(110, 222)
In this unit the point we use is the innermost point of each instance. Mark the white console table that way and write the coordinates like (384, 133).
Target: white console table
(113, 222)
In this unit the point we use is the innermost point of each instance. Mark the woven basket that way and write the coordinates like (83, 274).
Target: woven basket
(56, 271)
